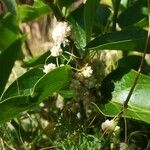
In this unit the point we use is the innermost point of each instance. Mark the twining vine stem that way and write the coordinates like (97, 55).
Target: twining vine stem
(142, 62)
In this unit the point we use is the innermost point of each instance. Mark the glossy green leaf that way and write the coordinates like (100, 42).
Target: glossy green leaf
(142, 23)
(44, 87)
(89, 14)
(77, 22)
(7, 59)
(28, 13)
(133, 14)
(12, 107)
(78, 34)
(11, 6)
(139, 104)
(9, 30)
(127, 40)
(24, 84)
(51, 83)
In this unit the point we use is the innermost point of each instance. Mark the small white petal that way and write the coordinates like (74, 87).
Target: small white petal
(56, 51)
(49, 67)
(108, 125)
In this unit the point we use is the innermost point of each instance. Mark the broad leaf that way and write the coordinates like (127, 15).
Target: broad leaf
(24, 84)
(77, 22)
(89, 14)
(51, 83)
(127, 40)
(7, 59)
(38, 60)
(133, 14)
(13, 106)
(28, 13)
(78, 34)
(101, 19)
(8, 30)
(44, 87)
(139, 104)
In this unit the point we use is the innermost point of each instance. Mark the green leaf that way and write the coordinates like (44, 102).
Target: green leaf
(67, 94)
(29, 13)
(89, 14)
(101, 19)
(9, 30)
(77, 22)
(133, 14)
(11, 6)
(126, 40)
(139, 104)
(7, 59)
(143, 23)
(44, 87)
(13, 106)
(39, 60)
(65, 3)
(24, 84)
(78, 34)
(51, 82)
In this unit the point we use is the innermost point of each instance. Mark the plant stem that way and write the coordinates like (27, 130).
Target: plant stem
(58, 14)
(142, 62)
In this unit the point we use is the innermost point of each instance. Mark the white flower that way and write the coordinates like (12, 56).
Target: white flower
(87, 71)
(60, 33)
(49, 67)
(108, 125)
(56, 51)
(123, 146)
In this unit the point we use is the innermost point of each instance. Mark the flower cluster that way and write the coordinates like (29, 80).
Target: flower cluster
(86, 71)
(59, 35)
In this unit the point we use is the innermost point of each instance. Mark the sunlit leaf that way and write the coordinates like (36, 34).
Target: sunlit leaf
(24, 84)
(51, 83)
(28, 13)
(44, 87)
(139, 104)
